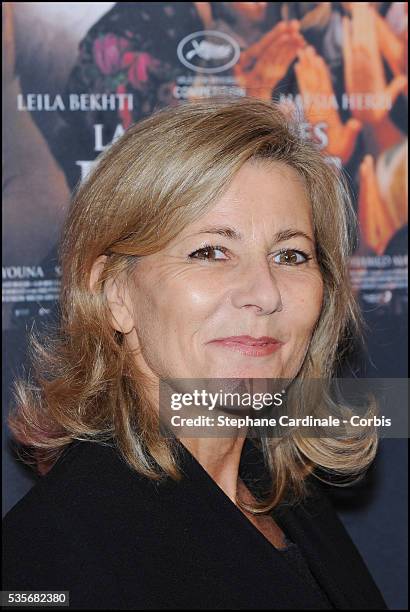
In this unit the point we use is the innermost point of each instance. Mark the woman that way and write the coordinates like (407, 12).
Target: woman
(210, 242)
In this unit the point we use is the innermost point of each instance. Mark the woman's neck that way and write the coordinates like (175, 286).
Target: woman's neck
(220, 458)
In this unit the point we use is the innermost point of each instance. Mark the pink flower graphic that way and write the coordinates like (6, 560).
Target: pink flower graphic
(108, 51)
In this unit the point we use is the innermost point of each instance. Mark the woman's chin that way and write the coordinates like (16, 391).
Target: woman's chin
(244, 371)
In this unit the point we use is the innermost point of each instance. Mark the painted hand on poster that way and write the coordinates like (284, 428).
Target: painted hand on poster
(370, 97)
(320, 105)
(393, 47)
(376, 224)
(367, 39)
(382, 208)
(262, 65)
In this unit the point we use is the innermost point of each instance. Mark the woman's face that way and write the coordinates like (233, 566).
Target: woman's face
(244, 271)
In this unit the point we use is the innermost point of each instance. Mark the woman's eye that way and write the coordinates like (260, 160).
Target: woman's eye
(212, 253)
(291, 257)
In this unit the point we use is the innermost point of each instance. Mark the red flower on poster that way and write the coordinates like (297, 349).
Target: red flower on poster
(138, 64)
(108, 51)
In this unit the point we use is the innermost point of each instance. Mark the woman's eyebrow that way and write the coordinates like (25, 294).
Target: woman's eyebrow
(288, 233)
(228, 232)
(280, 236)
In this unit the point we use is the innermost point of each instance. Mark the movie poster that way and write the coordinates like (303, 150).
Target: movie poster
(77, 75)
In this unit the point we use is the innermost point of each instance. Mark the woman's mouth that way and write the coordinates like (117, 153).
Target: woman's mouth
(248, 345)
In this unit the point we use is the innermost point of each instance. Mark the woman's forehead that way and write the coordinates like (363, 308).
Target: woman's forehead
(258, 196)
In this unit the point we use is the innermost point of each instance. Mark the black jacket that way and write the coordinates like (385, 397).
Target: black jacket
(119, 541)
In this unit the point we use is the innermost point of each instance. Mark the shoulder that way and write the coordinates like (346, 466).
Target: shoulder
(316, 527)
(53, 537)
(86, 491)
(86, 474)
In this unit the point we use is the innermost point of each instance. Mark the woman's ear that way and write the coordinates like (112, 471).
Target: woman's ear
(116, 294)
(96, 271)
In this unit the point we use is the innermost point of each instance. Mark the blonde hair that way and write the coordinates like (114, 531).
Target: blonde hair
(162, 174)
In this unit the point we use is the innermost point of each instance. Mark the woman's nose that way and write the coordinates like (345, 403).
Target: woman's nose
(256, 288)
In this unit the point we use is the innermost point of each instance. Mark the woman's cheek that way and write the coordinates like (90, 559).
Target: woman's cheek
(307, 292)
(302, 303)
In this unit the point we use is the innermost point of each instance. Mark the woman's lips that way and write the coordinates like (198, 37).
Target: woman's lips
(247, 345)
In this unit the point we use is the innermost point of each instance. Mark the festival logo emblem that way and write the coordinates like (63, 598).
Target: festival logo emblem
(208, 51)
